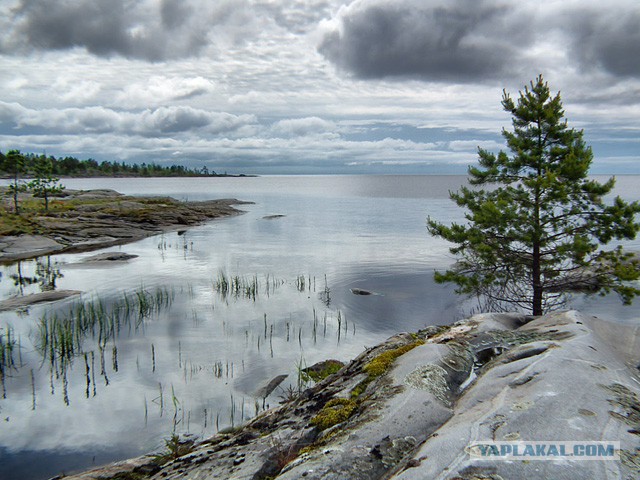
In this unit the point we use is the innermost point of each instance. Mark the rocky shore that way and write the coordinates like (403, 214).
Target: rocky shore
(88, 220)
(411, 407)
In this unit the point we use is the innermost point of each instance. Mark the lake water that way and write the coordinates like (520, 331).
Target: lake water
(156, 345)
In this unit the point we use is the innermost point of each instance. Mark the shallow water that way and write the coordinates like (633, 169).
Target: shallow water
(184, 356)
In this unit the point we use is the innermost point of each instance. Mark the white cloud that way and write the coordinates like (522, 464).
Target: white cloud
(302, 126)
(159, 89)
(243, 83)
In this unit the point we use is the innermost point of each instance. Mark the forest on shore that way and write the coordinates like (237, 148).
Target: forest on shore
(69, 166)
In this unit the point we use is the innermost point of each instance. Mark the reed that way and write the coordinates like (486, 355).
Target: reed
(236, 286)
(7, 346)
(314, 331)
(33, 391)
(60, 337)
(301, 283)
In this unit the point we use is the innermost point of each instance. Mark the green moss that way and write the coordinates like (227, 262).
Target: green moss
(307, 449)
(328, 367)
(336, 411)
(360, 388)
(382, 363)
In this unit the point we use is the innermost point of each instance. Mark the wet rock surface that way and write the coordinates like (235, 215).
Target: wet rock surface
(410, 407)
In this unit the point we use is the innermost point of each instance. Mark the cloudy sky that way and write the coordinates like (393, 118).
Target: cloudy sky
(311, 86)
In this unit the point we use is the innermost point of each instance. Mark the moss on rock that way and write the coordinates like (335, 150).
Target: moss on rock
(336, 411)
(382, 363)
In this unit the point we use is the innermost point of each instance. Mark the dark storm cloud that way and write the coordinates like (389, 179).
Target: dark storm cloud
(143, 30)
(58, 25)
(174, 13)
(609, 40)
(428, 39)
(464, 40)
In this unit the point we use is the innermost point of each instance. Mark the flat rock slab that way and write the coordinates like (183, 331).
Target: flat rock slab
(572, 389)
(107, 258)
(35, 298)
(27, 246)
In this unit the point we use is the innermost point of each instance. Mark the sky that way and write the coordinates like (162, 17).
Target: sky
(311, 86)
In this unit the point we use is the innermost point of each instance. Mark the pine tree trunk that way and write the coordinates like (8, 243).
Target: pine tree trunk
(15, 194)
(536, 305)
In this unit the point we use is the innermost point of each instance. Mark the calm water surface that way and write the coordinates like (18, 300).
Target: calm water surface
(156, 345)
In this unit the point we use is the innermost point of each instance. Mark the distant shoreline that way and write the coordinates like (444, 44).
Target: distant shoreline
(222, 175)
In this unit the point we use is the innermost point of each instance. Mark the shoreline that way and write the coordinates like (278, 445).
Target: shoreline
(87, 220)
(410, 407)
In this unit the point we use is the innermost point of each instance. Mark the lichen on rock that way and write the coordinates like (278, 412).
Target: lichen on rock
(432, 378)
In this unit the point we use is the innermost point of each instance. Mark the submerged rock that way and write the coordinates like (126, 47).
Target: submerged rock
(360, 291)
(107, 258)
(268, 388)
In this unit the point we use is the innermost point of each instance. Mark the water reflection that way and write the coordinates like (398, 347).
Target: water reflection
(44, 273)
(186, 357)
(245, 300)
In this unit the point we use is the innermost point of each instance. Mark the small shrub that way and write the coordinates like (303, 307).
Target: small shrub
(176, 448)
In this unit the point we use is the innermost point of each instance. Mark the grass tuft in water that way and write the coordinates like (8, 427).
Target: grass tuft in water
(60, 337)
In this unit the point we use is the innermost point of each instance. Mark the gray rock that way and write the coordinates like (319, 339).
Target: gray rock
(14, 248)
(107, 258)
(35, 298)
(360, 291)
(266, 390)
(569, 389)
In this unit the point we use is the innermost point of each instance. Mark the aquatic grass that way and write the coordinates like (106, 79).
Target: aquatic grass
(7, 346)
(60, 337)
(301, 283)
(236, 286)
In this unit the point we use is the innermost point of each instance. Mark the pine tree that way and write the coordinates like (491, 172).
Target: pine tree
(536, 233)
(44, 183)
(14, 164)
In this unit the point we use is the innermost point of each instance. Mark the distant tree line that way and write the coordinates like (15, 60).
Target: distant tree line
(73, 167)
